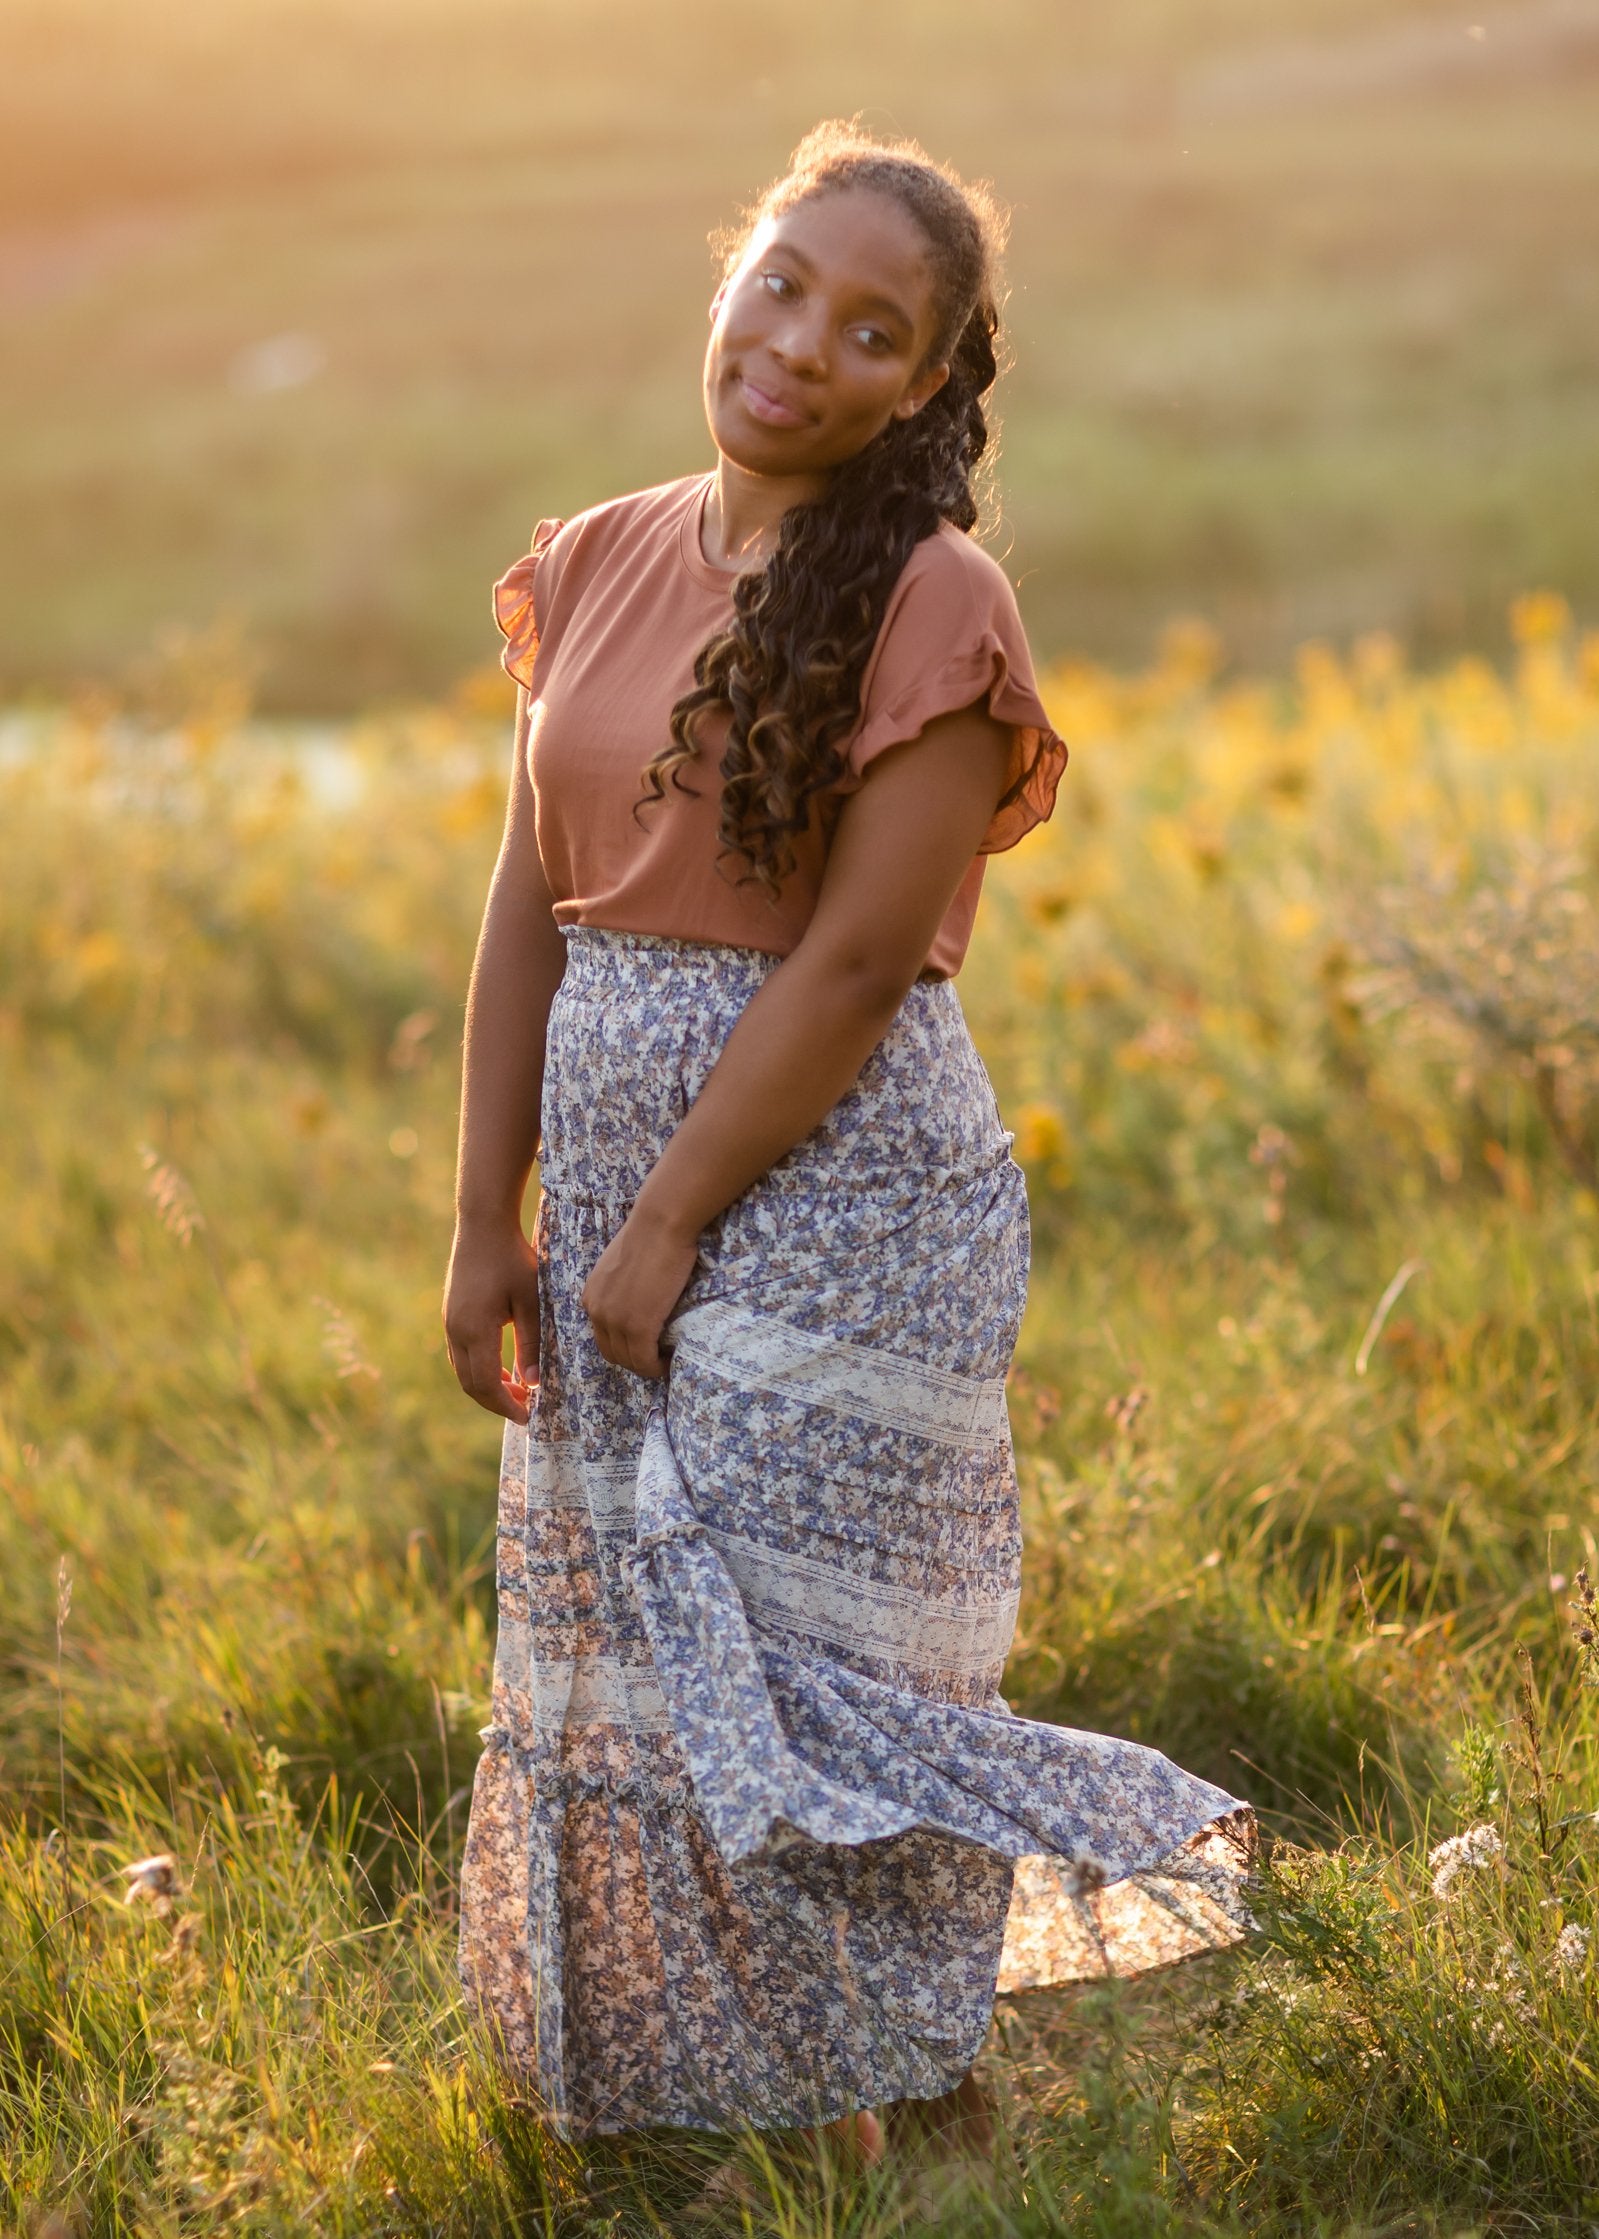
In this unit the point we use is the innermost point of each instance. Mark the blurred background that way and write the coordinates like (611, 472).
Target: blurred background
(312, 307)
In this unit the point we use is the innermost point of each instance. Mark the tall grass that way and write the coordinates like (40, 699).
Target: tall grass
(1292, 1012)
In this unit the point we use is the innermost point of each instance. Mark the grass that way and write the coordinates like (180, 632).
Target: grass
(1305, 322)
(1296, 995)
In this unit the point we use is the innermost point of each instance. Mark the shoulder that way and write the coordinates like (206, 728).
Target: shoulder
(633, 515)
(950, 596)
(537, 597)
(949, 579)
(952, 637)
(955, 563)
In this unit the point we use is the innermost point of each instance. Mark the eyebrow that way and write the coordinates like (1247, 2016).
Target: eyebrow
(875, 302)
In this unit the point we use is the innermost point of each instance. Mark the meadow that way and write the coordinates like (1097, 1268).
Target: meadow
(313, 307)
(1292, 1010)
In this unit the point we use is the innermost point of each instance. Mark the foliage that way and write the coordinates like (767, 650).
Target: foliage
(1291, 1010)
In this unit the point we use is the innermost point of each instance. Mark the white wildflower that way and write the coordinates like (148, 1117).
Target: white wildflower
(1478, 1846)
(1571, 1945)
(152, 1879)
(1506, 1982)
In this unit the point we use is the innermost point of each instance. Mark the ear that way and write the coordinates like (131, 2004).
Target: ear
(928, 386)
(716, 300)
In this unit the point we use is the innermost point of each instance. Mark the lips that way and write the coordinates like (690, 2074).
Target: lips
(772, 410)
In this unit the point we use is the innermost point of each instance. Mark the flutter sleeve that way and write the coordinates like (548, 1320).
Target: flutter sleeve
(521, 600)
(953, 635)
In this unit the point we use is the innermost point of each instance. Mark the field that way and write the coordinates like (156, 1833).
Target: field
(1292, 1011)
(313, 307)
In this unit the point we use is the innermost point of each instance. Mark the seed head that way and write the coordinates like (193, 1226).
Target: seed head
(152, 1881)
(1571, 1945)
(1477, 1846)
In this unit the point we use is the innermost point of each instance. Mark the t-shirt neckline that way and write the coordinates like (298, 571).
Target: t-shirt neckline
(688, 540)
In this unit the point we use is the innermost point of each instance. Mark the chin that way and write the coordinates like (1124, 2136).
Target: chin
(745, 449)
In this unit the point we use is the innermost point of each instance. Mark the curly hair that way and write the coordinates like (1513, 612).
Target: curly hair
(790, 666)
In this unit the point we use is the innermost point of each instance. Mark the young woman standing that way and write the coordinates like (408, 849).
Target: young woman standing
(752, 1815)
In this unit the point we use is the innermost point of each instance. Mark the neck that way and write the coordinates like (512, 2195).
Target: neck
(743, 510)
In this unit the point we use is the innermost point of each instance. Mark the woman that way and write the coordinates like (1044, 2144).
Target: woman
(746, 1834)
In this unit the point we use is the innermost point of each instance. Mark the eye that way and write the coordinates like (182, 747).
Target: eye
(879, 340)
(782, 278)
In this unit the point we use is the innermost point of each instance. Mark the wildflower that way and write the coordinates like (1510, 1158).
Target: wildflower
(1478, 1846)
(153, 1880)
(1126, 1407)
(1272, 1149)
(408, 1052)
(1050, 905)
(1042, 1141)
(1585, 1627)
(172, 1197)
(185, 1936)
(341, 1344)
(1539, 617)
(1509, 1978)
(1571, 1945)
(1506, 1982)
(1190, 651)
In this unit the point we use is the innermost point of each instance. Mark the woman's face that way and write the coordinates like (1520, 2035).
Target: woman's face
(819, 334)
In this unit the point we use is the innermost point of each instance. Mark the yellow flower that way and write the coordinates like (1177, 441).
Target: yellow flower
(476, 803)
(1190, 650)
(1031, 978)
(1050, 904)
(1041, 1138)
(99, 954)
(1588, 662)
(485, 692)
(1539, 617)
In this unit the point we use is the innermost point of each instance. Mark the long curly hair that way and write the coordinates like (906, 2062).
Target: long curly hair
(789, 668)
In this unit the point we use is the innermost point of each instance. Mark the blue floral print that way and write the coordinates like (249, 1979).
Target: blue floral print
(755, 1837)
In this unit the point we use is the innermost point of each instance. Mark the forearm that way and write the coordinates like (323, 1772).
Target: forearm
(797, 1048)
(898, 853)
(518, 967)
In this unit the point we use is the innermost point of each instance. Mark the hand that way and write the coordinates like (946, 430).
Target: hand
(493, 1279)
(637, 1281)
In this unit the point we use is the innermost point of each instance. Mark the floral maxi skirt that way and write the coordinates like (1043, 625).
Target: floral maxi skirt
(755, 1838)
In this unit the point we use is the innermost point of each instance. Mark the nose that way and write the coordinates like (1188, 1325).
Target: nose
(799, 342)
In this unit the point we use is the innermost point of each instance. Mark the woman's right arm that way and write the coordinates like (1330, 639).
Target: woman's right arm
(493, 1272)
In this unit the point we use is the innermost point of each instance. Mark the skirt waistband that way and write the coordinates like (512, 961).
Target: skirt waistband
(640, 1019)
(602, 951)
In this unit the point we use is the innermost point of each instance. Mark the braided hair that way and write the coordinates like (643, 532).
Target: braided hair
(789, 667)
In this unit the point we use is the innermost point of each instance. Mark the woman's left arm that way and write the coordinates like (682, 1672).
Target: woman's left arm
(902, 845)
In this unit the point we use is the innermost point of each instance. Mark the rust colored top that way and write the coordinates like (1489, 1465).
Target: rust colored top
(602, 620)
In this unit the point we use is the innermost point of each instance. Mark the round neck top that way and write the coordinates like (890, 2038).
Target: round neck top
(602, 619)
(691, 540)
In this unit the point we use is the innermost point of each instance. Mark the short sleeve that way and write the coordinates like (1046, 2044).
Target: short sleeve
(953, 635)
(521, 598)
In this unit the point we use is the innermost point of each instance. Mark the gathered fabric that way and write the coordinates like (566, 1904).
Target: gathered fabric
(755, 1838)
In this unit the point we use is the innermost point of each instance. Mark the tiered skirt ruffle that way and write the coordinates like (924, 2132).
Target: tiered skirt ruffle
(755, 1838)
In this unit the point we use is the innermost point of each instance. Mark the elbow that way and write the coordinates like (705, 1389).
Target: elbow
(867, 988)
